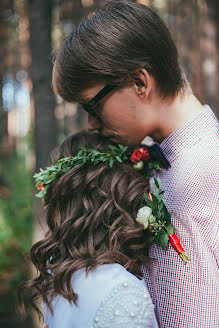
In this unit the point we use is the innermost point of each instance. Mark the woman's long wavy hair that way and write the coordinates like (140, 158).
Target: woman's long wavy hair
(91, 213)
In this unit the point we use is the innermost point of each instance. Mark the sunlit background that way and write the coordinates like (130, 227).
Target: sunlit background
(33, 121)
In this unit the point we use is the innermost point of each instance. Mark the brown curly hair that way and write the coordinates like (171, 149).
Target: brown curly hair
(91, 213)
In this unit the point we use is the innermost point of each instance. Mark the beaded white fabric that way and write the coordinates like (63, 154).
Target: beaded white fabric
(108, 296)
(127, 306)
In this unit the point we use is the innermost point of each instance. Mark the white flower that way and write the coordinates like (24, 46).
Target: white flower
(143, 215)
(148, 141)
(139, 165)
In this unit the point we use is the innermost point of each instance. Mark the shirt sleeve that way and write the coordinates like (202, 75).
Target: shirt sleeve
(127, 305)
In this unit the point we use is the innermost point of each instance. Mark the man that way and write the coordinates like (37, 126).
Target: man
(122, 66)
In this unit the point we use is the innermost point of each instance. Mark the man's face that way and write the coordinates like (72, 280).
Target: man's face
(123, 115)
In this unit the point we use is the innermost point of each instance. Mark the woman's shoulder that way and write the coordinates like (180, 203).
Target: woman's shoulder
(127, 304)
(105, 292)
(103, 279)
(110, 273)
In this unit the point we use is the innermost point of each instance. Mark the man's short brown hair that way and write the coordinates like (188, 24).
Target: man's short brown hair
(112, 43)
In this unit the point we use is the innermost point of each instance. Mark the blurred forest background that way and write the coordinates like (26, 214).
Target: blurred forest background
(33, 121)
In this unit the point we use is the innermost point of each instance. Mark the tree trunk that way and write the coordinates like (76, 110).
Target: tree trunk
(185, 26)
(40, 13)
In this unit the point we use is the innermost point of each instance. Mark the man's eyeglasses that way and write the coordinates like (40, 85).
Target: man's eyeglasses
(89, 107)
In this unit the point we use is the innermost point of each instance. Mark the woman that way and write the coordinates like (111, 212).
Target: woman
(89, 261)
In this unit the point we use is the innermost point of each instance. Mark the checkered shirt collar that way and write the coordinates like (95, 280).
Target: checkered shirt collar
(190, 133)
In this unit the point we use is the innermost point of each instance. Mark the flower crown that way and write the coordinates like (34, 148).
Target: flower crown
(155, 216)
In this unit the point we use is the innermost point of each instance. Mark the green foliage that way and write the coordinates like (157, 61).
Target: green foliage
(152, 167)
(16, 223)
(160, 221)
(45, 177)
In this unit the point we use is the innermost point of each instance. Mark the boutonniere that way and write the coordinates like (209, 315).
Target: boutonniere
(156, 218)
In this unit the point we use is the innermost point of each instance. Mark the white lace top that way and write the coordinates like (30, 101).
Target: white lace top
(109, 297)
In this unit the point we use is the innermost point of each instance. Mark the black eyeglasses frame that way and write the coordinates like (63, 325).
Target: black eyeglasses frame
(88, 107)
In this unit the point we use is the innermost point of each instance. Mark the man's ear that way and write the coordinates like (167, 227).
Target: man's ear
(143, 83)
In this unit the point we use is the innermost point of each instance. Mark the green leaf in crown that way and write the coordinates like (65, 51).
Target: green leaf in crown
(45, 177)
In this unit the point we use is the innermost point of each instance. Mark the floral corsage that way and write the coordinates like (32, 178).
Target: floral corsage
(155, 216)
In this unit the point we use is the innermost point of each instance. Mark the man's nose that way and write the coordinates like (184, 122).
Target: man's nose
(93, 123)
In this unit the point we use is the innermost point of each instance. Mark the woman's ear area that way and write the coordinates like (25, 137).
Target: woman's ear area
(143, 83)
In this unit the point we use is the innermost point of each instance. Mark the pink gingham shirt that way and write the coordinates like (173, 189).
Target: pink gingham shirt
(187, 296)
